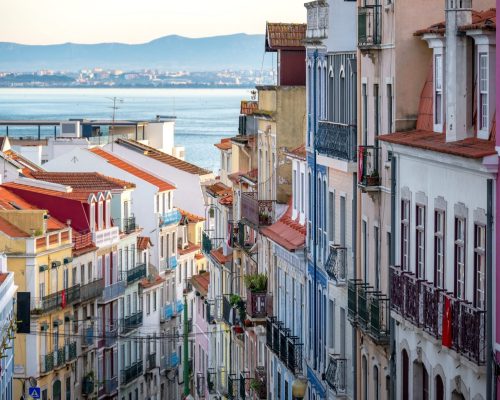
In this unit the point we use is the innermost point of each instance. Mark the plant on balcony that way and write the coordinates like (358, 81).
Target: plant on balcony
(256, 385)
(256, 283)
(373, 179)
(236, 302)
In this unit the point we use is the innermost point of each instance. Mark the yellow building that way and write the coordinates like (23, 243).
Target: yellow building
(38, 250)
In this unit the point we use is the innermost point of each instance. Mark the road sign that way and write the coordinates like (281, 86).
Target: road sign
(34, 392)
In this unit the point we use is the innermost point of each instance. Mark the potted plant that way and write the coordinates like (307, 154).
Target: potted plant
(256, 283)
(373, 179)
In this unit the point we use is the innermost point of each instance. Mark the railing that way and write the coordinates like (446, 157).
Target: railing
(109, 337)
(369, 25)
(336, 264)
(168, 312)
(87, 336)
(317, 19)
(200, 384)
(336, 374)
(221, 381)
(52, 301)
(211, 380)
(260, 390)
(136, 273)
(151, 361)
(132, 372)
(232, 386)
(129, 225)
(368, 309)
(287, 347)
(206, 243)
(230, 313)
(170, 361)
(256, 304)
(113, 291)
(169, 218)
(82, 240)
(109, 386)
(131, 322)
(106, 237)
(368, 164)
(47, 363)
(92, 290)
(427, 307)
(190, 325)
(87, 385)
(59, 357)
(337, 140)
(257, 212)
(70, 352)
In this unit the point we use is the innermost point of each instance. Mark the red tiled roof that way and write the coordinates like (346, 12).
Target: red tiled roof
(164, 157)
(3, 140)
(218, 189)
(92, 181)
(81, 195)
(161, 184)
(147, 283)
(192, 218)
(143, 242)
(285, 36)
(199, 256)
(227, 200)
(224, 144)
(251, 175)
(3, 276)
(10, 229)
(286, 232)
(480, 20)
(189, 249)
(201, 282)
(28, 166)
(219, 256)
(248, 107)
(299, 152)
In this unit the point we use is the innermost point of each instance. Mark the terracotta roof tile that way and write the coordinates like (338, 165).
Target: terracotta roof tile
(227, 200)
(143, 242)
(28, 166)
(219, 256)
(81, 195)
(224, 144)
(248, 107)
(10, 229)
(480, 20)
(161, 184)
(199, 256)
(147, 283)
(286, 232)
(191, 218)
(285, 36)
(218, 189)
(299, 152)
(188, 249)
(92, 181)
(201, 282)
(164, 157)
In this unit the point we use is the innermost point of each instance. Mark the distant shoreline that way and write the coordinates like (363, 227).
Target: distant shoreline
(133, 87)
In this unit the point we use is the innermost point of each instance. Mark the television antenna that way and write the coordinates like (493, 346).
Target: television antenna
(114, 107)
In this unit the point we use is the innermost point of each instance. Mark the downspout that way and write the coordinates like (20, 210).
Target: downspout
(315, 235)
(489, 290)
(185, 371)
(355, 274)
(392, 260)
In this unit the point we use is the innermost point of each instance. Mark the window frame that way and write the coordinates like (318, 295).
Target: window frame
(405, 235)
(439, 257)
(483, 113)
(420, 250)
(460, 246)
(479, 261)
(438, 92)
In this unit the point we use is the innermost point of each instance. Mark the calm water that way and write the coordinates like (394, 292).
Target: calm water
(203, 115)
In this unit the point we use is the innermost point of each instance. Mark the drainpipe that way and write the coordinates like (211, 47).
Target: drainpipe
(315, 236)
(355, 275)
(185, 371)
(489, 289)
(392, 260)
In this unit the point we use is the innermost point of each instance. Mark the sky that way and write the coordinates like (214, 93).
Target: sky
(137, 21)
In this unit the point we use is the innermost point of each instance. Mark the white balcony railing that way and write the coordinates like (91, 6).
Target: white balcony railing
(106, 237)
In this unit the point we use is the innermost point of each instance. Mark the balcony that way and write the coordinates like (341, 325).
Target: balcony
(206, 244)
(113, 291)
(87, 337)
(106, 237)
(232, 386)
(259, 383)
(110, 337)
(62, 299)
(337, 141)
(257, 212)
(336, 264)
(151, 361)
(336, 374)
(167, 312)
(368, 309)
(317, 20)
(47, 363)
(211, 380)
(168, 264)
(70, 352)
(369, 25)
(59, 357)
(87, 385)
(169, 362)
(92, 290)
(423, 305)
(287, 347)
(130, 373)
(132, 322)
(109, 386)
(200, 384)
(369, 175)
(136, 273)
(189, 325)
(129, 225)
(256, 304)
(169, 218)
(233, 309)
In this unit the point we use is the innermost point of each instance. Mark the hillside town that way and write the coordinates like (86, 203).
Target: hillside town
(346, 248)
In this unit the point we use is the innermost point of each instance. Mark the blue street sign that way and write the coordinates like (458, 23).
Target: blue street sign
(34, 392)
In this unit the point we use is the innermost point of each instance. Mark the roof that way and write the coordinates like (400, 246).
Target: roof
(298, 152)
(201, 282)
(251, 175)
(143, 242)
(10, 229)
(218, 255)
(191, 218)
(78, 195)
(485, 20)
(285, 36)
(286, 232)
(165, 158)
(199, 256)
(188, 249)
(161, 184)
(224, 144)
(248, 107)
(227, 200)
(147, 283)
(3, 140)
(218, 189)
(28, 166)
(93, 181)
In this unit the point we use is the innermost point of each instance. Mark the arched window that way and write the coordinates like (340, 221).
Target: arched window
(376, 383)
(364, 370)
(439, 388)
(56, 390)
(406, 370)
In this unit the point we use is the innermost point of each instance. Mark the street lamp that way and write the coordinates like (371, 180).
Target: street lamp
(299, 386)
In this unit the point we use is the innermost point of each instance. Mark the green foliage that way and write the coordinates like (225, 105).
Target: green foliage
(256, 282)
(234, 299)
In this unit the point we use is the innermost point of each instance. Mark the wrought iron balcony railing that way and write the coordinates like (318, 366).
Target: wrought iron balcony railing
(129, 225)
(231, 314)
(87, 336)
(151, 361)
(425, 306)
(70, 352)
(368, 309)
(336, 373)
(109, 336)
(59, 357)
(287, 347)
(337, 140)
(200, 384)
(170, 218)
(257, 212)
(369, 171)
(108, 386)
(62, 299)
(92, 290)
(211, 380)
(131, 372)
(87, 385)
(136, 273)
(206, 243)
(46, 363)
(113, 291)
(369, 25)
(336, 264)
(256, 304)
(232, 386)
(131, 322)
(317, 20)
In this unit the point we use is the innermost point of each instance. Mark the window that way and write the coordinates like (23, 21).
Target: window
(460, 258)
(480, 266)
(376, 385)
(376, 108)
(294, 186)
(376, 236)
(148, 304)
(405, 234)
(483, 91)
(302, 189)
(154, 300)
(389, 107)
(331, 217)
(365, 250)
(420, 241)
(439, 242)
(365, 111)
(438, 89)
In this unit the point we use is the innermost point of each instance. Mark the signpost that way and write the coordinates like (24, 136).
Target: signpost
(34, 392)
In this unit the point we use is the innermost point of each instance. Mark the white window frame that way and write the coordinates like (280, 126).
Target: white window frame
(460, 254)
(438, 90)
(480, 266)
(483, 112)
(405, 234)
(439, 247)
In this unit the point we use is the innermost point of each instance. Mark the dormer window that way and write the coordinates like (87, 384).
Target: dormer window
(108, 214)
(100, 216)
(438, 92)
(483, 92)
(92, 216)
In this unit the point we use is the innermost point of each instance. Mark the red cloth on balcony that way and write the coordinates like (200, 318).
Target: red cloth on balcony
(447, 329)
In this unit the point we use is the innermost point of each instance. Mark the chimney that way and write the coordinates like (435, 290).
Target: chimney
(457, 63)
